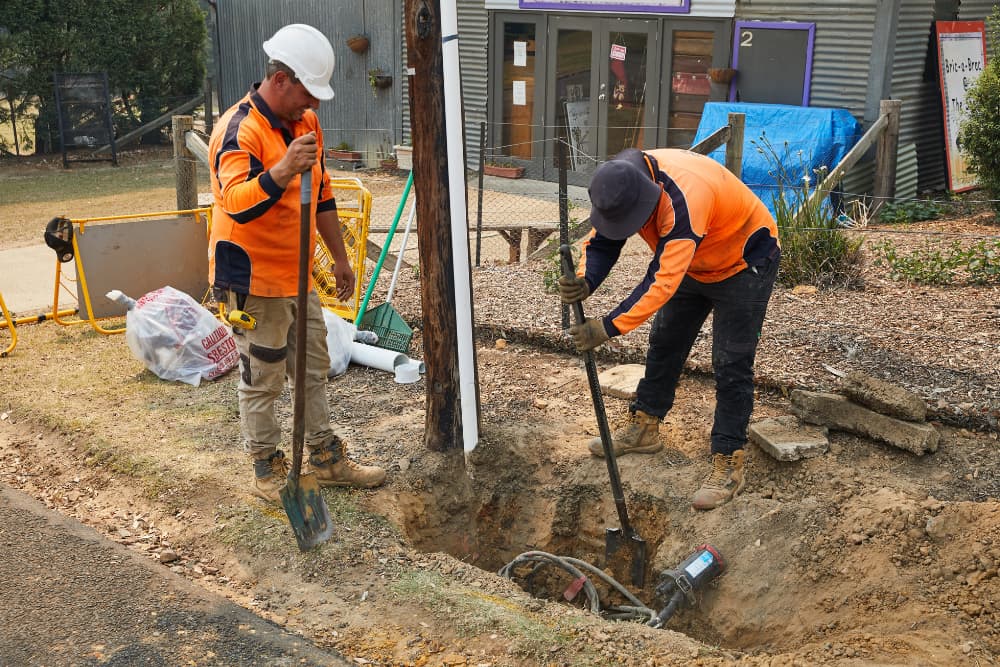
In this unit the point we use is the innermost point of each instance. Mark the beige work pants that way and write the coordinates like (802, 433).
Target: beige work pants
(267, 358)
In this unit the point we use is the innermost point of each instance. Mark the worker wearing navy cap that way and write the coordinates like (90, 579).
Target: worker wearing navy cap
(715, 250)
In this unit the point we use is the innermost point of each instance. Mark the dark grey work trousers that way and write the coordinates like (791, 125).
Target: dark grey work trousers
(738, 304)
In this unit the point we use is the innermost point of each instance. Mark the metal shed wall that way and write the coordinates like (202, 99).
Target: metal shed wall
(842, 51)
(473, 37)
(368, 122)
(915, 82)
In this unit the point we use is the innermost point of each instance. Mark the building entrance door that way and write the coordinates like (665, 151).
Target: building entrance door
(604, 83)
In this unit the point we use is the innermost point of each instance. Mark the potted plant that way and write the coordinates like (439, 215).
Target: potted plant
(503, 169)
(358, 43)
(404, 156)
(378, 79)
(721, 74)
(342, 151)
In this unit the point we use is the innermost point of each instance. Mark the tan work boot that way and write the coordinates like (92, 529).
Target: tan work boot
(640, 435)
(332, 468)
(723, 483)
(269, 476)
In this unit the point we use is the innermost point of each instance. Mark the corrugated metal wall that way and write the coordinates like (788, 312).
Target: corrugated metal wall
(915, 82)
(842, 51)
(473, 37)
(368, 122)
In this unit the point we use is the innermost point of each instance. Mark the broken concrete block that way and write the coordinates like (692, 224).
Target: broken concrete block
(787, 438)
(837, 412)
(621, 381)
(884, 397)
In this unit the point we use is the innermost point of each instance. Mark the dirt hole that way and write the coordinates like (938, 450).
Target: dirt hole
(848, 548)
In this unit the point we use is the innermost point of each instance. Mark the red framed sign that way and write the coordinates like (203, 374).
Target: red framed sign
(961, 59)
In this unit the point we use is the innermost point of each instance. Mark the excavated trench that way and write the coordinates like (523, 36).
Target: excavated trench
(836, 551)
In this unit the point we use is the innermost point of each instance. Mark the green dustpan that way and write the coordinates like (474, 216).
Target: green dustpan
(392, 330)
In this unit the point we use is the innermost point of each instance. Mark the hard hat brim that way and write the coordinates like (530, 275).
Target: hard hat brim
(322, 93)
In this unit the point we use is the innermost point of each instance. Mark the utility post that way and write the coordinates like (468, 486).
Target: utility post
(443, 420)
(185, 166)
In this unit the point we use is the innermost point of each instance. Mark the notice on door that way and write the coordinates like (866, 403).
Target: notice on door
(520, 54)
(520, 93)
(617, 52)
(961, 59)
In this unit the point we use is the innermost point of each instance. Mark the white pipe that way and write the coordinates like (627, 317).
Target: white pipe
(380, 358)
(376, 357)
(459, 223)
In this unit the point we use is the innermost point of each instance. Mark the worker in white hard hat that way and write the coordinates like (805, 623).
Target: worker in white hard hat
(257, 151)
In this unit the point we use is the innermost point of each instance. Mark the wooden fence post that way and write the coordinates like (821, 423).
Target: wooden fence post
(734, 147)
(185, 165)
(886, 153)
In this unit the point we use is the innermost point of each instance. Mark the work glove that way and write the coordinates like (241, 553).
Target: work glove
(573, 289)
(588, 335)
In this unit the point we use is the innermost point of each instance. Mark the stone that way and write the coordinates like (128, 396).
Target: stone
(787, 438)
(837, 412)
(884, 397)
(621, 381)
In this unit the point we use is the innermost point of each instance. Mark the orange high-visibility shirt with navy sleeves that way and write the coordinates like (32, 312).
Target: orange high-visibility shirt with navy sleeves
(708, 225)
(254, 245)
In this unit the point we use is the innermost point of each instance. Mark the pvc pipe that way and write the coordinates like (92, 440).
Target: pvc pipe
(459, 223)
(381, 358)
(376, 357)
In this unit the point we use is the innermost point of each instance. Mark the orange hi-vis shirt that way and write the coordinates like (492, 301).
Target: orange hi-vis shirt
(254, 244)
(708, 225)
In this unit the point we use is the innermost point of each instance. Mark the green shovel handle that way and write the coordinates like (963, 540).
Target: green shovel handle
(385, 249)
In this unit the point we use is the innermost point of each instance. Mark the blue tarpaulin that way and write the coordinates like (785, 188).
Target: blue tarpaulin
(783, 144)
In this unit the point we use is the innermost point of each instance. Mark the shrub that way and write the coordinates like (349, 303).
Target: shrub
(815, 250)
(979, 135)
(909, 211)
(978, 264)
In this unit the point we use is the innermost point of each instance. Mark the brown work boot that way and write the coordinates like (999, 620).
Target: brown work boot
(332, 468)
(723, 483)
(269, 475)
(640, 435)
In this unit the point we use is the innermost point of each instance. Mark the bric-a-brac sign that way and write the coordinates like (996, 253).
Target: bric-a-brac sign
(961, 59)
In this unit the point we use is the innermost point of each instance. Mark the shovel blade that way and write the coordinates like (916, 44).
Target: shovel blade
(307, 511)
(625, 555)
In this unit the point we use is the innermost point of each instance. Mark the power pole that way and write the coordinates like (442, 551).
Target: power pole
(443, 420)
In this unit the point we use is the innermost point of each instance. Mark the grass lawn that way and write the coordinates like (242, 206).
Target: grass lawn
(34, 190)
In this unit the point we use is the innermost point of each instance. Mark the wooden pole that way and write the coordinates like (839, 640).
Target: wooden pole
(443, 420)
(886, 152)
(734, 147)
(185, 164)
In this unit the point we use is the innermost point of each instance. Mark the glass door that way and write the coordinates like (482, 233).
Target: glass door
(604, 88)
(627, 91)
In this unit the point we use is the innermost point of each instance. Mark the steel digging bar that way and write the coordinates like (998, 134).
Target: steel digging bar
(623, 539)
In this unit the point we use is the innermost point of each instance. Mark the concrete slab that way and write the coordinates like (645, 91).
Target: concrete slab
(27, 279)
(621, 381)
(884, 397)
(837, 412)
(788, 438)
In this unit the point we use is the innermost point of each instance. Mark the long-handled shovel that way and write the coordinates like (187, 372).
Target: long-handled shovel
(307, 511)
(617, 541)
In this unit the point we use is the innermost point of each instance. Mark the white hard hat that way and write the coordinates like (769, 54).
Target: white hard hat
(308, 53)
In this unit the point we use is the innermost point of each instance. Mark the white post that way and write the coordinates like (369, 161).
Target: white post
(459, 222)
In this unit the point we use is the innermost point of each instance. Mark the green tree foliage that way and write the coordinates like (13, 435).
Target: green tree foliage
(152, 50)
(979, 136)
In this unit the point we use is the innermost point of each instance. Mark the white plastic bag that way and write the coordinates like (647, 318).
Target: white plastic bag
(176, 337)
(339, 334)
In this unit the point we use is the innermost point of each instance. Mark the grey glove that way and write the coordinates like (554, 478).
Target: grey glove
(573, 289)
